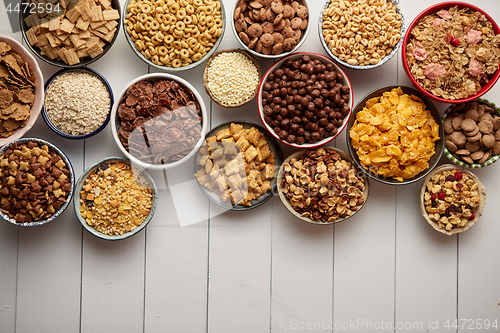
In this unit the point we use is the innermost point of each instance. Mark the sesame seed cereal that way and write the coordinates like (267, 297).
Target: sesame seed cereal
(77, 103)
(113, 200)
(232, 78)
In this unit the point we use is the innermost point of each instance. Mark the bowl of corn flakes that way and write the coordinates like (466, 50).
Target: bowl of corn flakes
(395, 135)
(452, 199)
(451, 52)
(115, 199)
(236, 165)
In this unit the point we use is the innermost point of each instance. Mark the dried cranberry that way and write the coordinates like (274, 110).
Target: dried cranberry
(441, 195)
(472, 216)
(450, 178)
(433, 197)
(459, 186)
(448, 38)
(458, 175)
(455, 41)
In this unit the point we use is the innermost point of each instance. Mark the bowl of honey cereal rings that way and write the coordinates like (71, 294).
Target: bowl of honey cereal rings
(395, 135)
(174, 36)
(452, 199)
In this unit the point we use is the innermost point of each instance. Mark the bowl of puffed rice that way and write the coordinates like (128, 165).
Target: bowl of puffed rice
(231, 77)
(350, 36)
(451, 52)
(452, 199)
(115, 198)
(77, 103)
(174, 36)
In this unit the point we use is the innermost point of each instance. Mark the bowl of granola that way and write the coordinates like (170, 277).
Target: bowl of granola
(115, 199)
(348, 41)
(452, 199)
(451, 52)
(159, 121)
(322, 185)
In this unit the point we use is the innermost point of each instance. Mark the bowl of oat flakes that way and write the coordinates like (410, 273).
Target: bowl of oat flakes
(451, 52)
(338, 190)
(115, 199)
(350, 37)
(452, 199)
(77, 103)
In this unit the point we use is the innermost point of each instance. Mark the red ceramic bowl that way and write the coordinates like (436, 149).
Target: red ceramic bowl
(433, 9)
(324, 60)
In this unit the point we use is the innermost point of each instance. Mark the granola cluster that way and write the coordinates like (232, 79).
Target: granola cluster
(451, 198)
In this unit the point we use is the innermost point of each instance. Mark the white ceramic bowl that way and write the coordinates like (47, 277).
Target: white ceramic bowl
(324, 60)
(144, 176)
(272, 56)
(477, 213)
(115, 122)
(39, 90)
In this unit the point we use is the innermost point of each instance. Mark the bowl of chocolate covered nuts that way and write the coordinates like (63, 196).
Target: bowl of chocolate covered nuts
(305, 100)
(322, 185)
(271, 28)
(472, 133)
(361, 36)
(36, 183)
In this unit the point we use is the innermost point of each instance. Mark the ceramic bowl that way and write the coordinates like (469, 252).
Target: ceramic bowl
(56, 129)
(206, 81)
(171, 69)
(382, 61)
(144, 178)
(23, 14)
(477, 212)
(433, 161)
(298, 155)
(428, 11)
(270, 56)
(455, 158)
(71, 179)
(116, 122)
(324, 60)
(273, 146)
(39, 90)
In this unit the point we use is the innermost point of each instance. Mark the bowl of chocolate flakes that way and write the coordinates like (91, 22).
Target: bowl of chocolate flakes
(160, 121)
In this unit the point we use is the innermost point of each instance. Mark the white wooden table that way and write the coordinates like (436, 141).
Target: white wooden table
(385, 270)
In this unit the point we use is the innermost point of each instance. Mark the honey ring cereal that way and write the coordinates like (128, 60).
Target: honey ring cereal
(184, 54)
(176, 63)
(162, 51)
(189, 9)
(181, 14)
(173, 8)
(180, 25)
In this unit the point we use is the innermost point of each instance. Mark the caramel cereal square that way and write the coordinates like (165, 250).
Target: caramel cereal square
(243, 143)
(110, 14)
(253, 135)
(251, 153)
(223, 134)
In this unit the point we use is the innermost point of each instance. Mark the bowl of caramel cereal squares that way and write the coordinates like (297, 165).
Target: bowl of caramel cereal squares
(322, 185)
(176, 35)
(77, 103)
(361, 35)
(21, 90)
(72, 35)
(236, 165)
(231, 77)
(472, 133)
(271, 28)
(36, 182)
(305, 100)
(395, 135)
(115, 199)
(159, 121)
(452, 199)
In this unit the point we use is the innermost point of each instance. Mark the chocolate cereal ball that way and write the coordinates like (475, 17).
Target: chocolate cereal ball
(305, 101)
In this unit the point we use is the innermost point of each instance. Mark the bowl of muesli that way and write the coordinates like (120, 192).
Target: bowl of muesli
(452, 53)
(452, 199)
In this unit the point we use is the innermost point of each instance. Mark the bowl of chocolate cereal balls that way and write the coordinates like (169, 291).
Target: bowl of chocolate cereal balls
(361, 36)
(77, 103)
(305, 100)
(115, 199)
